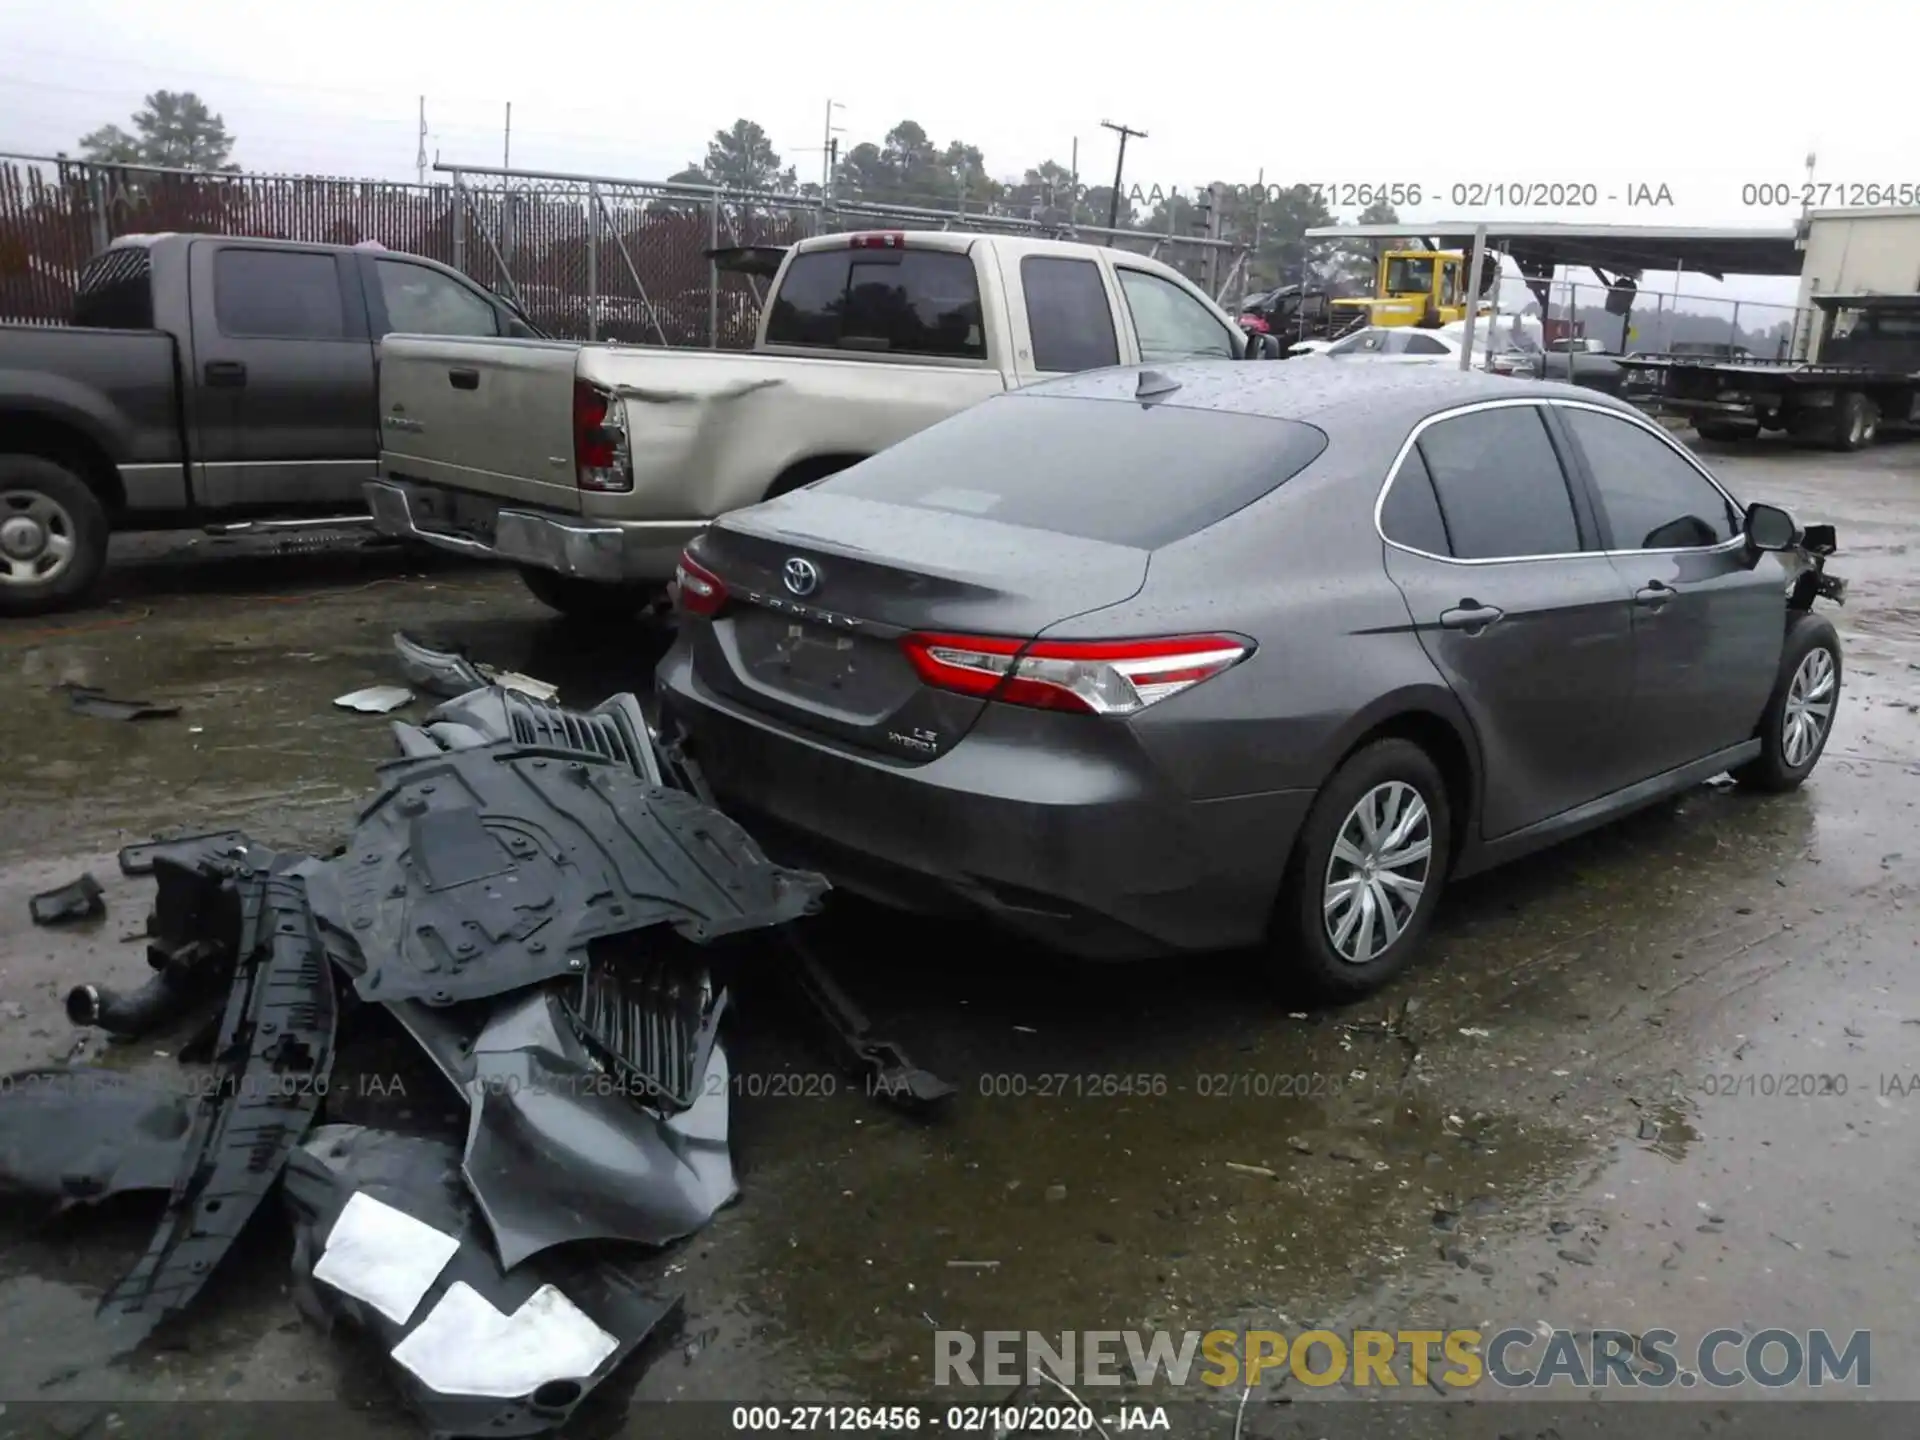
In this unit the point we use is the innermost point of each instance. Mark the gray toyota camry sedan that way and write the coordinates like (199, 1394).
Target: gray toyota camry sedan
(1214, 656)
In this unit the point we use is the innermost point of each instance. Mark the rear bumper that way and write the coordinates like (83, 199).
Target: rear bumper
(1089, 855)
(615, 552)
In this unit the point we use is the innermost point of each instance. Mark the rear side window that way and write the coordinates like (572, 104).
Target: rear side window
(1500, 486)
(116, 290)
(897, 302)
(278, 295)
(1127, 474)
(1424, 345)
(1410, 515)
(1068, 317)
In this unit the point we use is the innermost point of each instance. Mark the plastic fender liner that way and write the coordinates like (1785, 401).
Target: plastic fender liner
(77, 1134)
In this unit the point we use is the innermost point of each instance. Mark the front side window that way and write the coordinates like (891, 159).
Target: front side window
(1650, 498)
(1170, 323)
(1501, 490)
(425, 302)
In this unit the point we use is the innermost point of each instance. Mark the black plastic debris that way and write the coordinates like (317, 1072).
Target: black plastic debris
(439, 672)
(85, 700)
(272, 1059)
(192, 930)
(75, 1135)
(485, 869)
(449, 673)
(79, 899)
(386, 1239)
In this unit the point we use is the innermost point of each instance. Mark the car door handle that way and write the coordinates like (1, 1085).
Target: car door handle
(1654, 595)
(464, 379)
(1470, 615)
(226, 374)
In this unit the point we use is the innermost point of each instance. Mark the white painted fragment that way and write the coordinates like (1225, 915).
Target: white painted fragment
(384, 1256)
(467, 1347)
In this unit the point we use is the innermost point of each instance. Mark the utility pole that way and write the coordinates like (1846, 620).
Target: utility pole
(1119, 168)
(506, 145)
(420, 159)
(829, 151)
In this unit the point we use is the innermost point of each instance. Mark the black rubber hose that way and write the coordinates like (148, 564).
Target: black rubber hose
(132, 1015)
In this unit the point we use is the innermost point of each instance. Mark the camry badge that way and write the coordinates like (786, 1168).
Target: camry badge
(800, 576)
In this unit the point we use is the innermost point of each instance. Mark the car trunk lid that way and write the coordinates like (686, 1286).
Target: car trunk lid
(823, 587)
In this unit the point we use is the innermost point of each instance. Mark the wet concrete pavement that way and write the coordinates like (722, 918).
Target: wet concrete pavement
(1577, 1110)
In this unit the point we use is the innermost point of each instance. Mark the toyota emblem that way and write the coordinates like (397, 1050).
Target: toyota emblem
(800, 576)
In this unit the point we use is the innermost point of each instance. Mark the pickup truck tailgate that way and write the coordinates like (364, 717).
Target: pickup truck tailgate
(491, 416)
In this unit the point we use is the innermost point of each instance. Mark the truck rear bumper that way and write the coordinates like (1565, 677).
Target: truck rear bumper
(616, 552)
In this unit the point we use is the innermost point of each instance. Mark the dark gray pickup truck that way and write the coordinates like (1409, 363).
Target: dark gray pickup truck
(204, 381)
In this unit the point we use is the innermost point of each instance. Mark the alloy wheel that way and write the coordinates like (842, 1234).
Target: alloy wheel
(1809, 708)
(1378, 871)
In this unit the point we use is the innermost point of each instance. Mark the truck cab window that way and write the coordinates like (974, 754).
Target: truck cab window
(1170, 323)
(914, 302)
(1068, 318)
(425, 302)
(277, 295)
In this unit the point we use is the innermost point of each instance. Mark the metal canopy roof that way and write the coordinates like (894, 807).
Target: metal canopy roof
(1631, 248)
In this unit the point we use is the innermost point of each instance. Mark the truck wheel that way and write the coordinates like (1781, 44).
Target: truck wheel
(1799, 714)
(1856, 421)
(53, 536)
(589, 599)
(1726, 429)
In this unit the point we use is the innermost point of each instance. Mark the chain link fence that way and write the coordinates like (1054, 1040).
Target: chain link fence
(1649, 322)
(586, 257)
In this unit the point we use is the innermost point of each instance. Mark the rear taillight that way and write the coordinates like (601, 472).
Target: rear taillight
(701, 591)
(1090, 677)
(600, 457)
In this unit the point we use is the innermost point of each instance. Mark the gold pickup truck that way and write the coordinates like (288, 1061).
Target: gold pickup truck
(590, 466)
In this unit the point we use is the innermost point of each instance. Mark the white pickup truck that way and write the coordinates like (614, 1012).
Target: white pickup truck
(590, 466)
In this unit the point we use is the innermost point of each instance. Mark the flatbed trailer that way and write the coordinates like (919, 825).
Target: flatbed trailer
(1866, 379)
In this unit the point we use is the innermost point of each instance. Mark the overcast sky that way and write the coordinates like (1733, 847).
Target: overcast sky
(1697, 98)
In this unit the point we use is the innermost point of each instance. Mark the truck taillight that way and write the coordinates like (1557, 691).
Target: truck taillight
(701, 591)
(879, 240)
(1089, 677)
(600, 457)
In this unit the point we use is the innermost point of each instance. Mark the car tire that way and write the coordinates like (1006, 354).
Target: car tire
(1811, 670)
(1320, 951)
(46, 508)
(1856, 422)
(592, 600)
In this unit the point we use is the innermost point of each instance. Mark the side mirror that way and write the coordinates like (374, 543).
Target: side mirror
(1261, 346)
(1768, 527)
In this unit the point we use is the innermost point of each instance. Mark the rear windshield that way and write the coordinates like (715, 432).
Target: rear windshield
(897, 302)
(1127, 474)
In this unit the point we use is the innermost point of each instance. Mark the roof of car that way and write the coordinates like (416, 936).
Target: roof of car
(1306, 389)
